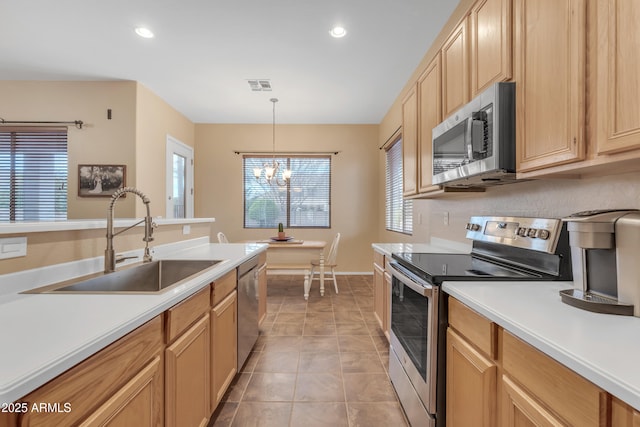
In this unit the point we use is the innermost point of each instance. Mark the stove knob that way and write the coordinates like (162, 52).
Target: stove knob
(543, 234)
(531, 232)
(472, 227)
(522, 231)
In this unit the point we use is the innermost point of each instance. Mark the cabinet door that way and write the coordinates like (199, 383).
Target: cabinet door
(262, 293)
(187, 377)
(618, 57)
(455, 70)
(410, 143)
(430, 115)
(490, 22)
(623, 415)
(519, 409)
(224, 346)
(378, 294)
(139, 402)
(550, 70)
(471, 385)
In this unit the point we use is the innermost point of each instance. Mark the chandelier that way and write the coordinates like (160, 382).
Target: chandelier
(271, 169)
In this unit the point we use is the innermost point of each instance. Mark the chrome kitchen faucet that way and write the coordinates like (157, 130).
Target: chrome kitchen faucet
(149, 225)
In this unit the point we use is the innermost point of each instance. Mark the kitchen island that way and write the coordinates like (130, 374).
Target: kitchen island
(44, 335)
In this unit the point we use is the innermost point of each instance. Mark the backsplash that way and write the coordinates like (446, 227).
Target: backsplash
(543, 198)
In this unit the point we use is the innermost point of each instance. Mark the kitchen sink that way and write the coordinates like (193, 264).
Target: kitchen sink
(149, 277)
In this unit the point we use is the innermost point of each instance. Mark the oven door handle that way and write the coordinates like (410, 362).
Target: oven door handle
(410, 280)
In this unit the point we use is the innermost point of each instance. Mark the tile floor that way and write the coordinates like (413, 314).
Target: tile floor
(321, 362)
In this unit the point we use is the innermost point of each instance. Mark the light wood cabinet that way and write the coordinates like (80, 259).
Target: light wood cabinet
(521, 410)
(472, 372)
(618, 86)
(378, 293)
(187, 401)
(623, 415)
(224, 346)
(552, 386)
(410, 143)
(490, 28)
(136, 404)
(187, 362)
(386, 301)
(127, 372)
(550, 50)
(381, 292)
(455, 70)
(430, 115)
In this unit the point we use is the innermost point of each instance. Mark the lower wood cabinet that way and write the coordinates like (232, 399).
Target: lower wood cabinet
(224, 346)
(187, 364)
(124, 381)
(471, 385)
(138, 403)
(381, 292)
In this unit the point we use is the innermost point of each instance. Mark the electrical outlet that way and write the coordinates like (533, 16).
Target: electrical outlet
(445, 218)
(420, 218)
(186, 229)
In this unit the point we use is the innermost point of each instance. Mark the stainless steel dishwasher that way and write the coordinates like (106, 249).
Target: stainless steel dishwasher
(247, 308)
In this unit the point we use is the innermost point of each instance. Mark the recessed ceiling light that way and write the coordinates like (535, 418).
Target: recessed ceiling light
(338, 32)
(144, 32)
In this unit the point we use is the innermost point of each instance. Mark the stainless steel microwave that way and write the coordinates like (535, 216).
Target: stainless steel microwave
(475, 147)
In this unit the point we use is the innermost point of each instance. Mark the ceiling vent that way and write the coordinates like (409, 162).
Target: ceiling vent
(263, 85)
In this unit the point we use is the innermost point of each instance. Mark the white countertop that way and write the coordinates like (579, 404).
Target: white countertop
(43, 335)
(87, 224)
(435, 246)
(603, 348)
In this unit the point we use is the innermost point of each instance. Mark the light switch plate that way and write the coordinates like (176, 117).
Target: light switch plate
(13, 247)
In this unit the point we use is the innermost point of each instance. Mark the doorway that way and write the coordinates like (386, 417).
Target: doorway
(179, 179)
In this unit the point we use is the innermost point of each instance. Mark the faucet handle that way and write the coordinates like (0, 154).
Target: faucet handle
(120, 258)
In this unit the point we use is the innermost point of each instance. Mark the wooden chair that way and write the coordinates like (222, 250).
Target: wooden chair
(329, 266)
(222, 238)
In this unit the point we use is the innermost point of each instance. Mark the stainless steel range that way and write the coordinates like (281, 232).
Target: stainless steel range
(504, 248)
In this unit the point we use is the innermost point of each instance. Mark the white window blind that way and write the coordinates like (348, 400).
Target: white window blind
(399, 212)
(33, 174)
(304, 202)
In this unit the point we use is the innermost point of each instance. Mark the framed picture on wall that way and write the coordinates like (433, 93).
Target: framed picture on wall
(100, 180)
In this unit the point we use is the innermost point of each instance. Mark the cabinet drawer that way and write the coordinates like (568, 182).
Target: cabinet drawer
(182, 315)
(573, 398)
(97, 378)
(477, 329)
(378, 258)
(223, 287)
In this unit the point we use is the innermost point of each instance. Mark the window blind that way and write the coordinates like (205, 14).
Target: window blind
(304, 202)
(33, 174)
(399, 212)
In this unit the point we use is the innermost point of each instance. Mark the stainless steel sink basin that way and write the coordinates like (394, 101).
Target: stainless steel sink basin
(151, 277)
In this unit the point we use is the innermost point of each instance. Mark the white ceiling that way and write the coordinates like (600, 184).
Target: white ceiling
(205, 51)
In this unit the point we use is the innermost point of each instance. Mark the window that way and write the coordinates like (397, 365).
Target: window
(304, 202)
(33, 174)
(399, 212)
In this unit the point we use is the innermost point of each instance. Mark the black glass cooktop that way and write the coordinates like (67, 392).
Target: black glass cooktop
(436, 268)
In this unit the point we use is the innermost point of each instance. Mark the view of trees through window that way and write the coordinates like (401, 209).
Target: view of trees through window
(305, 201)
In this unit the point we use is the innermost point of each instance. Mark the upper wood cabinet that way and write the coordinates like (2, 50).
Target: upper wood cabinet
(618, 86)
(455, 70)
(410, 143)
(550, 50)
(490, 27)
(430, 115)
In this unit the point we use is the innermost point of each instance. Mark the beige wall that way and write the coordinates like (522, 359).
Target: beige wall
(155, 120)
(57, 247)
(100, 141)
(354, 198)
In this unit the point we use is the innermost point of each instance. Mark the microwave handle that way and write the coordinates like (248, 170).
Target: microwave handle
(474, 137)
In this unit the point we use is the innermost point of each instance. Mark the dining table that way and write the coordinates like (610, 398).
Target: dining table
(294, 254)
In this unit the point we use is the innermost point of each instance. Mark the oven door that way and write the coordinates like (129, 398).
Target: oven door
(414, 331)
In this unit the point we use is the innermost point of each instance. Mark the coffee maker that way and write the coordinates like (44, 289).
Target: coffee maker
(605, 258)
